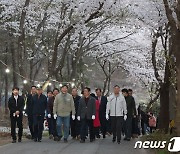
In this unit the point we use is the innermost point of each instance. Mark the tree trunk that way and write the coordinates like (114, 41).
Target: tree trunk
(177, 53)
(164, 102)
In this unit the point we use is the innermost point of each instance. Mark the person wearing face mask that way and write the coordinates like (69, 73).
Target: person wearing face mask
(16, 106)
(86, 114)
(117, 108)
(63, 106)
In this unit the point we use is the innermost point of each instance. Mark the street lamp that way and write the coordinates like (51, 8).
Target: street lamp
(25, 82)
(7, 70)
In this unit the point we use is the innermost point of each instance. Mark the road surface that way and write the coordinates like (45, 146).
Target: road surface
(47, 146)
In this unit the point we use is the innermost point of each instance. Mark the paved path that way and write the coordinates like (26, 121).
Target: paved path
(47, 146)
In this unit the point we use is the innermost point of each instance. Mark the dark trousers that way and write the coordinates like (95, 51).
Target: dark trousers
(30, 123)
(16, 121)
(96, 132)
(52, 126)
(103, 122)
(38, 121)
(128, 127)
(84, 123)
(135, 129)
(117, 124)
(75, 128)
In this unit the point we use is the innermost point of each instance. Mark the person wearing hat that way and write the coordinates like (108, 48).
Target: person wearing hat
(63, 106)
(39, 106)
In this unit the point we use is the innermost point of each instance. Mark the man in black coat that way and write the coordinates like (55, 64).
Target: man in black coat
(86, 113)
(39, 106)
(75, 124)
(51, 120)
(131, 113)
(29, 110)
(102, 111)
(16, 106)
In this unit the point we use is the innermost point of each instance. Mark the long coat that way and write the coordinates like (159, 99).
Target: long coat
(96, 120)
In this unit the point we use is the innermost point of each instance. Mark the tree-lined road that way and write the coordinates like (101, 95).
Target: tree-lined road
(102, 146)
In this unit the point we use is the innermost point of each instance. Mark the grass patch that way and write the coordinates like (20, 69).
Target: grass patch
(158, 136)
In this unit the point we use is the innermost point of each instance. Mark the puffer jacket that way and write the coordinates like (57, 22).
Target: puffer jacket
(116, 105)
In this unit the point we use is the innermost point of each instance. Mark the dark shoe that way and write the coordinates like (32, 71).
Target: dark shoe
(35, 140)
(39, 140)
(118, 142)
(114, 140)
(59, 138)
(65, 140)
(14, 141)
(50, 137)
(125, 139)
(128, 139)
(91, 140)
(19, 140)
(82, 141)
(55, 138)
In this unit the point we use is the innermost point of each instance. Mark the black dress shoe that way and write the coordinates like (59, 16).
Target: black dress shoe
(14, 141)
(114, 140)
(91, 140)
(82, 141)
(104, 136)
(35, 140)
(65, 140)
(118, 142)
(39, 140)
(19, 140)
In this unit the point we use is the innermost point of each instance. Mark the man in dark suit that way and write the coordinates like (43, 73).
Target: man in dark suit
(102, 110)
(86, 113)
(29, 110)
(75, 124)
(39, 106)
(16, 106)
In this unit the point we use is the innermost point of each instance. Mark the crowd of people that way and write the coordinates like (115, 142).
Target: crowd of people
(92, 115)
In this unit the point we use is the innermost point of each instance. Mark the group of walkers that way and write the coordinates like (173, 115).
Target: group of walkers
(89, 115)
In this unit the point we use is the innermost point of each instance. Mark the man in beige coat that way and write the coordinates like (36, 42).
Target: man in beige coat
(63, 105)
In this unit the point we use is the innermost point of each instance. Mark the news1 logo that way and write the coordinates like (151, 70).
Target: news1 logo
(173, 145)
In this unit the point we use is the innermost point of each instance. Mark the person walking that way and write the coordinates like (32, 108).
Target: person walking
(16, 107)
(63, 105)
(96, 122)
(116, 106)
(51, 120)
(86, 114)
(29, 110)
(75, 124)
(39, 106)
(135, 120)
(131, 113)
(102, 111)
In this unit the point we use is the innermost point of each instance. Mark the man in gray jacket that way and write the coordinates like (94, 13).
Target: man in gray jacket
(116, 106)
(86, 113)
(63, 105)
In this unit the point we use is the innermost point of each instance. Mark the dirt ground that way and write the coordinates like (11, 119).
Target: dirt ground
(5, 138)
